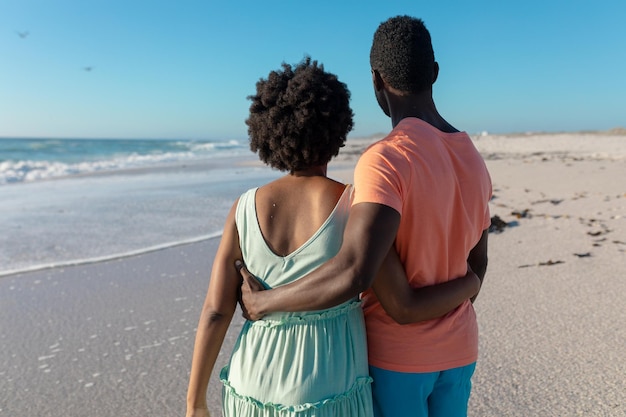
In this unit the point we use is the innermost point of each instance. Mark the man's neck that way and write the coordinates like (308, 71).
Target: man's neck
(420, 106)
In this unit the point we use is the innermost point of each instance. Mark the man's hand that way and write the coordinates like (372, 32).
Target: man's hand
(249, 289)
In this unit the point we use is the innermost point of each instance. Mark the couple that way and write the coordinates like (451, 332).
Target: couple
(415, 220)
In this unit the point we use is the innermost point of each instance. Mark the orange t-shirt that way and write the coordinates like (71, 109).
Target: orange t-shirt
(440, 185)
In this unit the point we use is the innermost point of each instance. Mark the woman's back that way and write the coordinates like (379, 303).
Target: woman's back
(292, 225)
(313, 363)
(291, 209)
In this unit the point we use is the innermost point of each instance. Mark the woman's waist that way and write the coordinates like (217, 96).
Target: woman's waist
(340, 312)
(335, 337)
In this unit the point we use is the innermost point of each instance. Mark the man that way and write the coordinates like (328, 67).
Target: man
(423, 189)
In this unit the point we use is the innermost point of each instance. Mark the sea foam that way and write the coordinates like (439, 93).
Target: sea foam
(22, 171)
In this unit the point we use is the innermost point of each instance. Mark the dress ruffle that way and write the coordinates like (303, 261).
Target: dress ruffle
(354, 402)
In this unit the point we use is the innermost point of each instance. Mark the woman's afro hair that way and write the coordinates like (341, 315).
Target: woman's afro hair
(300, 117)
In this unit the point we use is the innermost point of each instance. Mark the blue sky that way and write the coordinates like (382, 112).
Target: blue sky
(183, 69)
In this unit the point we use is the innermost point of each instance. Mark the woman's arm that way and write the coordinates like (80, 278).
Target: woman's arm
(217, 312)
(406, 305)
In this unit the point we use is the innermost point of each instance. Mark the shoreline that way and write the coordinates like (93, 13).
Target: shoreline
(496, 150)
(90, 218)
(106, 258)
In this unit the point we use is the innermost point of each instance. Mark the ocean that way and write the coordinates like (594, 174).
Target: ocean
(73, 201)
(37, 159)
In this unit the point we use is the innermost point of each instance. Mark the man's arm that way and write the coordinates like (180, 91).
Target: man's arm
(406, 305)
(369, 234)
(477, 259)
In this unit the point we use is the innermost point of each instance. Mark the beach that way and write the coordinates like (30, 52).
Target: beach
(103, 324)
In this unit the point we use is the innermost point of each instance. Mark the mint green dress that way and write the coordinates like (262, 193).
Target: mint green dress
(297, 364)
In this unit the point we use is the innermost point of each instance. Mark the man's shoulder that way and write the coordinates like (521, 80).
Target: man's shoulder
(389, 144)
(382, 159)
(385, 149)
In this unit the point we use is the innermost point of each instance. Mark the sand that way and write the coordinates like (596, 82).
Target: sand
(115, 338)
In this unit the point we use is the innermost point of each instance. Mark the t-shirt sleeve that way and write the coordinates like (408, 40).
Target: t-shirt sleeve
(377, 179)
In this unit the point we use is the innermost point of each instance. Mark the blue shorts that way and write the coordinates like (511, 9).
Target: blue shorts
(435, 394)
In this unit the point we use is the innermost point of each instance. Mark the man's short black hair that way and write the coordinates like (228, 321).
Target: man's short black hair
(402, 52)
(300, 117)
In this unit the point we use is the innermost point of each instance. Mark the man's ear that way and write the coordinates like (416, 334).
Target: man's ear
(435, 72)
(377, 79)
